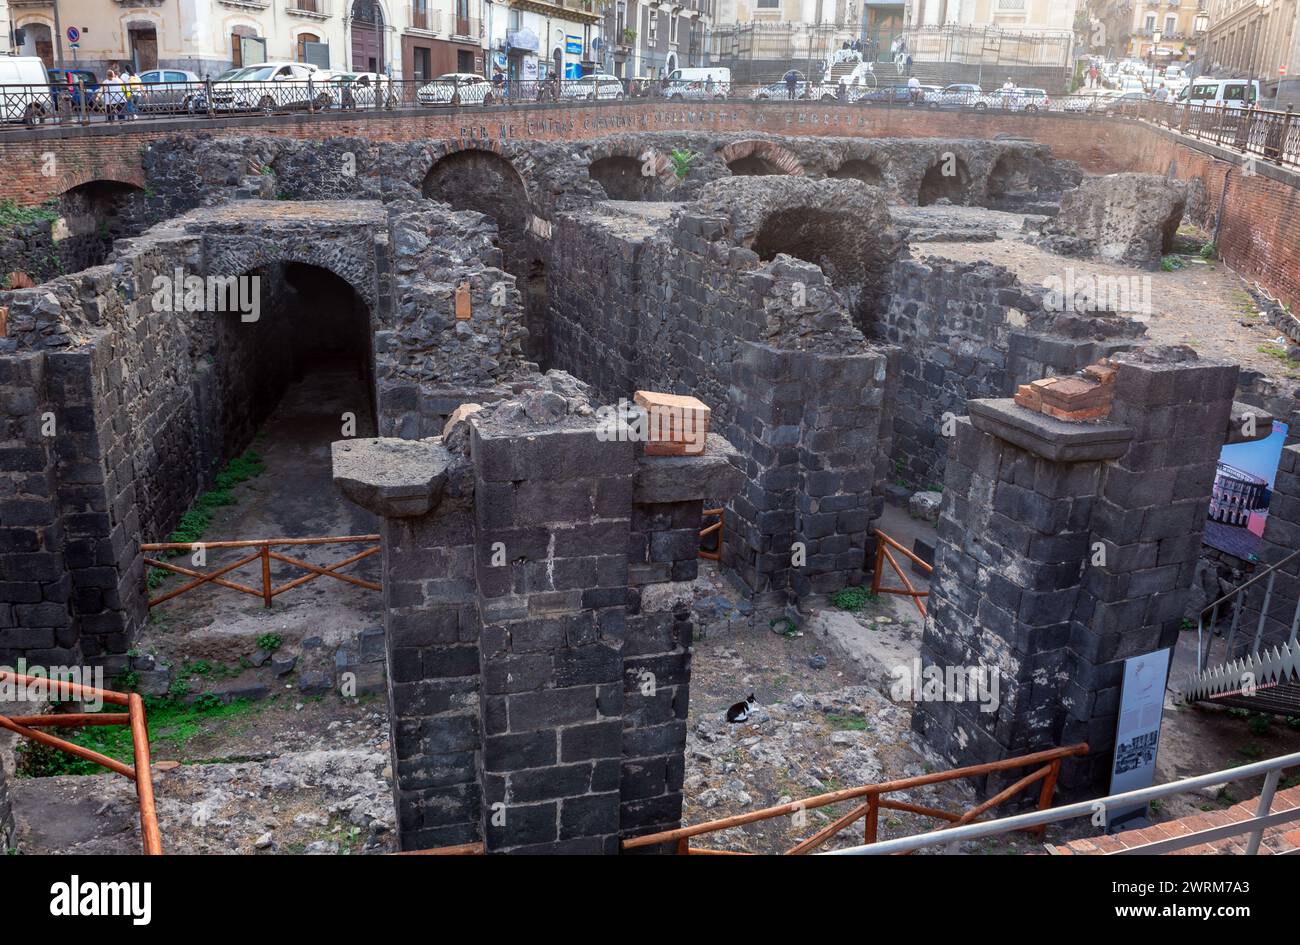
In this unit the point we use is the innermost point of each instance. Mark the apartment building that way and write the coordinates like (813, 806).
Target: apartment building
(1257, 39)
(650, 38)
(417, 39)
(535, 39)
(1180, 25)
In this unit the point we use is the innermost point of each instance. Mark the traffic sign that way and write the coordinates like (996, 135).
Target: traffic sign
(74, 34)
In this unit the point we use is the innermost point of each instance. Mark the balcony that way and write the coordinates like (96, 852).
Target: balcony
(425, 21)
(581, 11)
(307, 9)
(465, 28)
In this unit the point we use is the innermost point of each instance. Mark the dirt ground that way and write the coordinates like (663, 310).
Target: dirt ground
(1204, 305)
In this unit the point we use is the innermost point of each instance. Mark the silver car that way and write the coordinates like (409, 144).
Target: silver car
(467, 87)
(169, 90)
(598, 85)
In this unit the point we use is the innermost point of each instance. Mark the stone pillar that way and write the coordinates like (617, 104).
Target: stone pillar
(431, 629)
(538, 628)
(814, 425)
(1147, 528)
(1064, 549)
(668, 497)
(1014, 530)
(554, 507)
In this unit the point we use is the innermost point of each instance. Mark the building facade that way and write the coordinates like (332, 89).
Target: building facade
(413, 39)
(649, 39)
(1179, 23)
(1256, 39)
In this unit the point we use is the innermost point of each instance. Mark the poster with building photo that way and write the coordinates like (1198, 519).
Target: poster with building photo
(1243, 488)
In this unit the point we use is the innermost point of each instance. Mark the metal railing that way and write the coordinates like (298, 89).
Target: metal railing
(1263, 819)
(1046, 764)
(264, 556)
(138, 771)
(1206, 632)
(1272, 135)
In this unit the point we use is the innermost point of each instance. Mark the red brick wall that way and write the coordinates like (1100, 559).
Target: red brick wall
(1258, 234)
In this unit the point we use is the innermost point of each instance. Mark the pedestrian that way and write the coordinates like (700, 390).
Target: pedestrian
(909, 63)
(1008, 86)
(914, 90)
(134, 90)
(111, 93)
(708, 86)
(792, 84)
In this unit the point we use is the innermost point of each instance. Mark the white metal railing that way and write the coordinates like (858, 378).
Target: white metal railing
(1263, 818)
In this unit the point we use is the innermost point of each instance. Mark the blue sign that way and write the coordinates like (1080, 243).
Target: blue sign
(74, 34)
(573, 44)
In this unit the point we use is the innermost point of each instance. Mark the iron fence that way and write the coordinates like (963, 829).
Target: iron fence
(1271, 135)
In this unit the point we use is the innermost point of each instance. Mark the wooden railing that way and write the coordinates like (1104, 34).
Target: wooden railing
(138, 771)
(708, 530)
(265, 556)
(874, 800)
(883, 545)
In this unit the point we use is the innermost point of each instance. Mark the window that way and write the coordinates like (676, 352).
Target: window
(652, 17)
(620, 19)
(422, 69)
(1151, 23)
(516, 21)
(420, 14)
(672, 28)
(769, 4)
(1171, 24)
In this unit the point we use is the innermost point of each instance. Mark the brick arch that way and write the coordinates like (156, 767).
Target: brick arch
(783, 158)
(131, 177)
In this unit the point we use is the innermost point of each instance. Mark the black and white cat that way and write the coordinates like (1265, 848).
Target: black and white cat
(740, 711)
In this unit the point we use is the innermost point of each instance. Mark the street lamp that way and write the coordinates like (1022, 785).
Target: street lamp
(1156, 36)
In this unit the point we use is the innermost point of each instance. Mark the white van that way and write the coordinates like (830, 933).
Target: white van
(1218, 93)
(24, 90)
(694, 83)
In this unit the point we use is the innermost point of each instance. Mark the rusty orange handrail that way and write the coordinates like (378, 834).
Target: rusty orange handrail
(267, 592)
(709, 530)
(883, 544)
(875, 800)
(134, 717)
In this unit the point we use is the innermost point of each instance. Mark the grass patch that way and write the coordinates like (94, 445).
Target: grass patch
(194, 523)
(848, 723)
(13, 215)
(1171, 263)
(853, 599)
(171, 723)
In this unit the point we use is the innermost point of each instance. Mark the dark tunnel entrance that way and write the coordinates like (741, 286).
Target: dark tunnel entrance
(948, 179)
(622, 178)
(304, 366)
(869, 172)
(751, 165)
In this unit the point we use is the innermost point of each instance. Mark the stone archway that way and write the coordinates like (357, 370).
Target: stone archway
(483, 179)
(948, 178)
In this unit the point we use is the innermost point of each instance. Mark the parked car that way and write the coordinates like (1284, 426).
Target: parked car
(1123, 98)
(598, 85)
(169, 90)
(358, 89)
(889, 95)
(694, 83)
(467, 87)
(29, 98)
(957, 95)
(779, 89)
(1220, 93)
(1014, 100)
(267, 86)
(68, 86)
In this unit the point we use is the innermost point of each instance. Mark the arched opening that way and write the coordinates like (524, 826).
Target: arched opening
(1010, 182)
(834, 241)
(867, 171)
(486, 182)
(752, 165)
(948, 179)
(622, 178)
(309, 344)
(367, 37)
(76, 234)
(37, 41)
